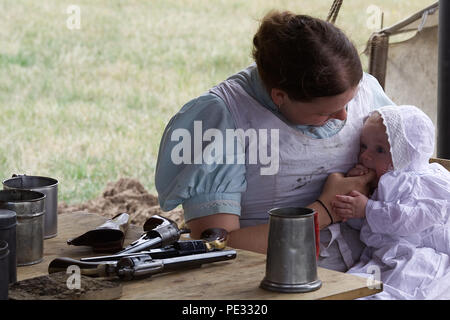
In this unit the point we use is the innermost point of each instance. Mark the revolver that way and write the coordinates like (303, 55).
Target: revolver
(139, 265)
(159, 232)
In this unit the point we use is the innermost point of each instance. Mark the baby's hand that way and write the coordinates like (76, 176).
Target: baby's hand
(358, 170)
(350, 206)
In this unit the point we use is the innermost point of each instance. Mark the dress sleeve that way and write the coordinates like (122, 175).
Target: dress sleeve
(407, 206)
(380, 98)
(404, 218)
(204, 182)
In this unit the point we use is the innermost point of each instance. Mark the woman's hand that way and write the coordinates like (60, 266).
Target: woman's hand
(338, 184)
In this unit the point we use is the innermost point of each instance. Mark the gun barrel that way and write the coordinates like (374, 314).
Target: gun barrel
(196, 260)
(142, 244)
(114, 257)
(179, 248)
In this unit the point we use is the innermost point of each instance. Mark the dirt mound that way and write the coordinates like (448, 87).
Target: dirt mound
(55, 286)
(126, 195)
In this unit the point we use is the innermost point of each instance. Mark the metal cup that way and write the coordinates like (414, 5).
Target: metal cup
(29, 207)
(45, 185)
(291, 264)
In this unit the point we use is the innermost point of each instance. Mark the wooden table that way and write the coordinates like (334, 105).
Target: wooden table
(236, 279)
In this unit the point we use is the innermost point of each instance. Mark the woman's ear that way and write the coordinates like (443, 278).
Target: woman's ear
(278, 96)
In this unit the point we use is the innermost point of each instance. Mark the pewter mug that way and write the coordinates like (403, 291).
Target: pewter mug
(291, 264)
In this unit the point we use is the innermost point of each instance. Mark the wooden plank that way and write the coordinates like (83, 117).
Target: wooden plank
(236, 279)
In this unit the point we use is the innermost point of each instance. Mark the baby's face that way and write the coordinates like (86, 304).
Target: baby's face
(375, 149)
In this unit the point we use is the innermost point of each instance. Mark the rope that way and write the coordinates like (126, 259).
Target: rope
(334, 10)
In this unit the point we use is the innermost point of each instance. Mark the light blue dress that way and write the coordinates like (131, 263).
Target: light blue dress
(205, 189)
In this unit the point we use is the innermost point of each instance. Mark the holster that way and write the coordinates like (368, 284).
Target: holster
(108, 237)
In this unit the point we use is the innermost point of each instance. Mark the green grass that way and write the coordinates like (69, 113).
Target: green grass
(89, 106)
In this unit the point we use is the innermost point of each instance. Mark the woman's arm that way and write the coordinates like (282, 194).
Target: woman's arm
(255, 238)
(252, 238)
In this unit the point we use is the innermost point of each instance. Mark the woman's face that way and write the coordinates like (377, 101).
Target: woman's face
(315, 113)
(375, 149)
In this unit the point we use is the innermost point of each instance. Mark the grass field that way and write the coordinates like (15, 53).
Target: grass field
(88, 106)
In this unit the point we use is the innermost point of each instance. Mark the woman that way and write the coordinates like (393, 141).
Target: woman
(308, 90)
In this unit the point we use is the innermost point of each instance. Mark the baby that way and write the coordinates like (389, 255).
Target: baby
(406, 227)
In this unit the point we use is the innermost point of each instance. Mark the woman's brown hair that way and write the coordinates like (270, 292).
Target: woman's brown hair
(304, 56)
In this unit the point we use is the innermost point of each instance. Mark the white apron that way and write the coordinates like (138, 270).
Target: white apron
(304, 164)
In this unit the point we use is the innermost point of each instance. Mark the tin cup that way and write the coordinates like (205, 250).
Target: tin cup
(45, 185)
(291, 264)
(29, 207)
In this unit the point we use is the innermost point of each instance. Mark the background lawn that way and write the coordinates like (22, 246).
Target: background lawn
(89, 106)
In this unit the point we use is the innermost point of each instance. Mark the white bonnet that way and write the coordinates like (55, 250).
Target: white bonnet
(410, 134)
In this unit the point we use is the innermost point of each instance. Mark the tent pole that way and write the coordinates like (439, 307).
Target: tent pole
(443, 108)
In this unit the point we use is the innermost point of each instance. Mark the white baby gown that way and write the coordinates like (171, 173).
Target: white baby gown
(407, 226)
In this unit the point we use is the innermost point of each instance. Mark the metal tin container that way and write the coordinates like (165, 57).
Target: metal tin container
(29, 207)
(291, 264)
(8, 224)
(4, 266)
(47, 186)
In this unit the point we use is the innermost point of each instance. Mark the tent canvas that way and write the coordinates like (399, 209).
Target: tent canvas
(404, 59)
